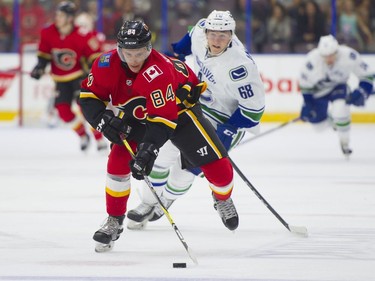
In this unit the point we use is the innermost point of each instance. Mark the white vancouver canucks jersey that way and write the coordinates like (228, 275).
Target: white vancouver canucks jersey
(319, 79)
(232, 77)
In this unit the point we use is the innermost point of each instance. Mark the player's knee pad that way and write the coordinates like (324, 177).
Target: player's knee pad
(168, 155)
(340, 109)
(340, 114)
(179, 180)
(220, 176)
(219, 172)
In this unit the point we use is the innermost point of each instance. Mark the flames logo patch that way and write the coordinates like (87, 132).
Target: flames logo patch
(65, 59)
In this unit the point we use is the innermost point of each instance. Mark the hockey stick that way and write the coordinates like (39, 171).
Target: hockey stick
(271, 130)
(167, 214)
(300, 230)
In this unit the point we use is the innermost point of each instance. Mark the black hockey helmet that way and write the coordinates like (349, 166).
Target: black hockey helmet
(134, 35)
(67, 7)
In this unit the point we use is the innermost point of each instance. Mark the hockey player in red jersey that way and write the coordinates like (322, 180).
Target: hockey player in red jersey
(86, 23)
(150, 89)
(65, 47)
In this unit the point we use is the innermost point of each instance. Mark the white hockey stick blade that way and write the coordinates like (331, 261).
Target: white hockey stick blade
(300, 230)
(192, 256)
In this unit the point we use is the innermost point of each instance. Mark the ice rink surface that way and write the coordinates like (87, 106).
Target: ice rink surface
(52, 201)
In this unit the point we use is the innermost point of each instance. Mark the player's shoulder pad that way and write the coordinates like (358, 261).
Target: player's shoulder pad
(312, 58)
(349, 53)
(309, 65)
(238, 73)
(48, 28)
(201, 23)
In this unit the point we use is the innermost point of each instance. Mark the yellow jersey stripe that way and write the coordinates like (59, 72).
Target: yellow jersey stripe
(84, 95)
(162, 120)
(46, 56)
(67, 78)
(89, 95)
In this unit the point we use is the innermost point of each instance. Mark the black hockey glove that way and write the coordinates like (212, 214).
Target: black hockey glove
(112, 126)
(144, 160)
(190, 94)
(37, 72)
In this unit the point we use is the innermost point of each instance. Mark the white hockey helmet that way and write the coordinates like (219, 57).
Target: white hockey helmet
(220, 21)
(85, 21)
(328, 45)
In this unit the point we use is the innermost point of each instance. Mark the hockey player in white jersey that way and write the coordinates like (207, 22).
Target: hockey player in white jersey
(326, 94)
(233, 102)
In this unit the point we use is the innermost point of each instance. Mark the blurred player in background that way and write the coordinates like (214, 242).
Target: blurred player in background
(86, 24)
(143, 83)
(234, 103)
(68, 50)
(326, 94)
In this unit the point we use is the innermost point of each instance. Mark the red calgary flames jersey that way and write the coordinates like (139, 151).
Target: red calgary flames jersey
(149, 94)
(67, 52)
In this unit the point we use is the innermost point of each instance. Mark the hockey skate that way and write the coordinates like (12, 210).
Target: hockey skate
(84, 142)
(346, 149)
(158, 212)
(108, 233)
(227, 212)
(139, 216)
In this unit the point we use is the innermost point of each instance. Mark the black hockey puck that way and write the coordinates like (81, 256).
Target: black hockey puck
(179, 265)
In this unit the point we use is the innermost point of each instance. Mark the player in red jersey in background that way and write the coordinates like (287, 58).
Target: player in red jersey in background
(143, 84)
(86, 24)
(66, 48)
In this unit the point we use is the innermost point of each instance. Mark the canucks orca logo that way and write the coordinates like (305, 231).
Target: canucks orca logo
(238, 73)
(309, 66)
(202, 23)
